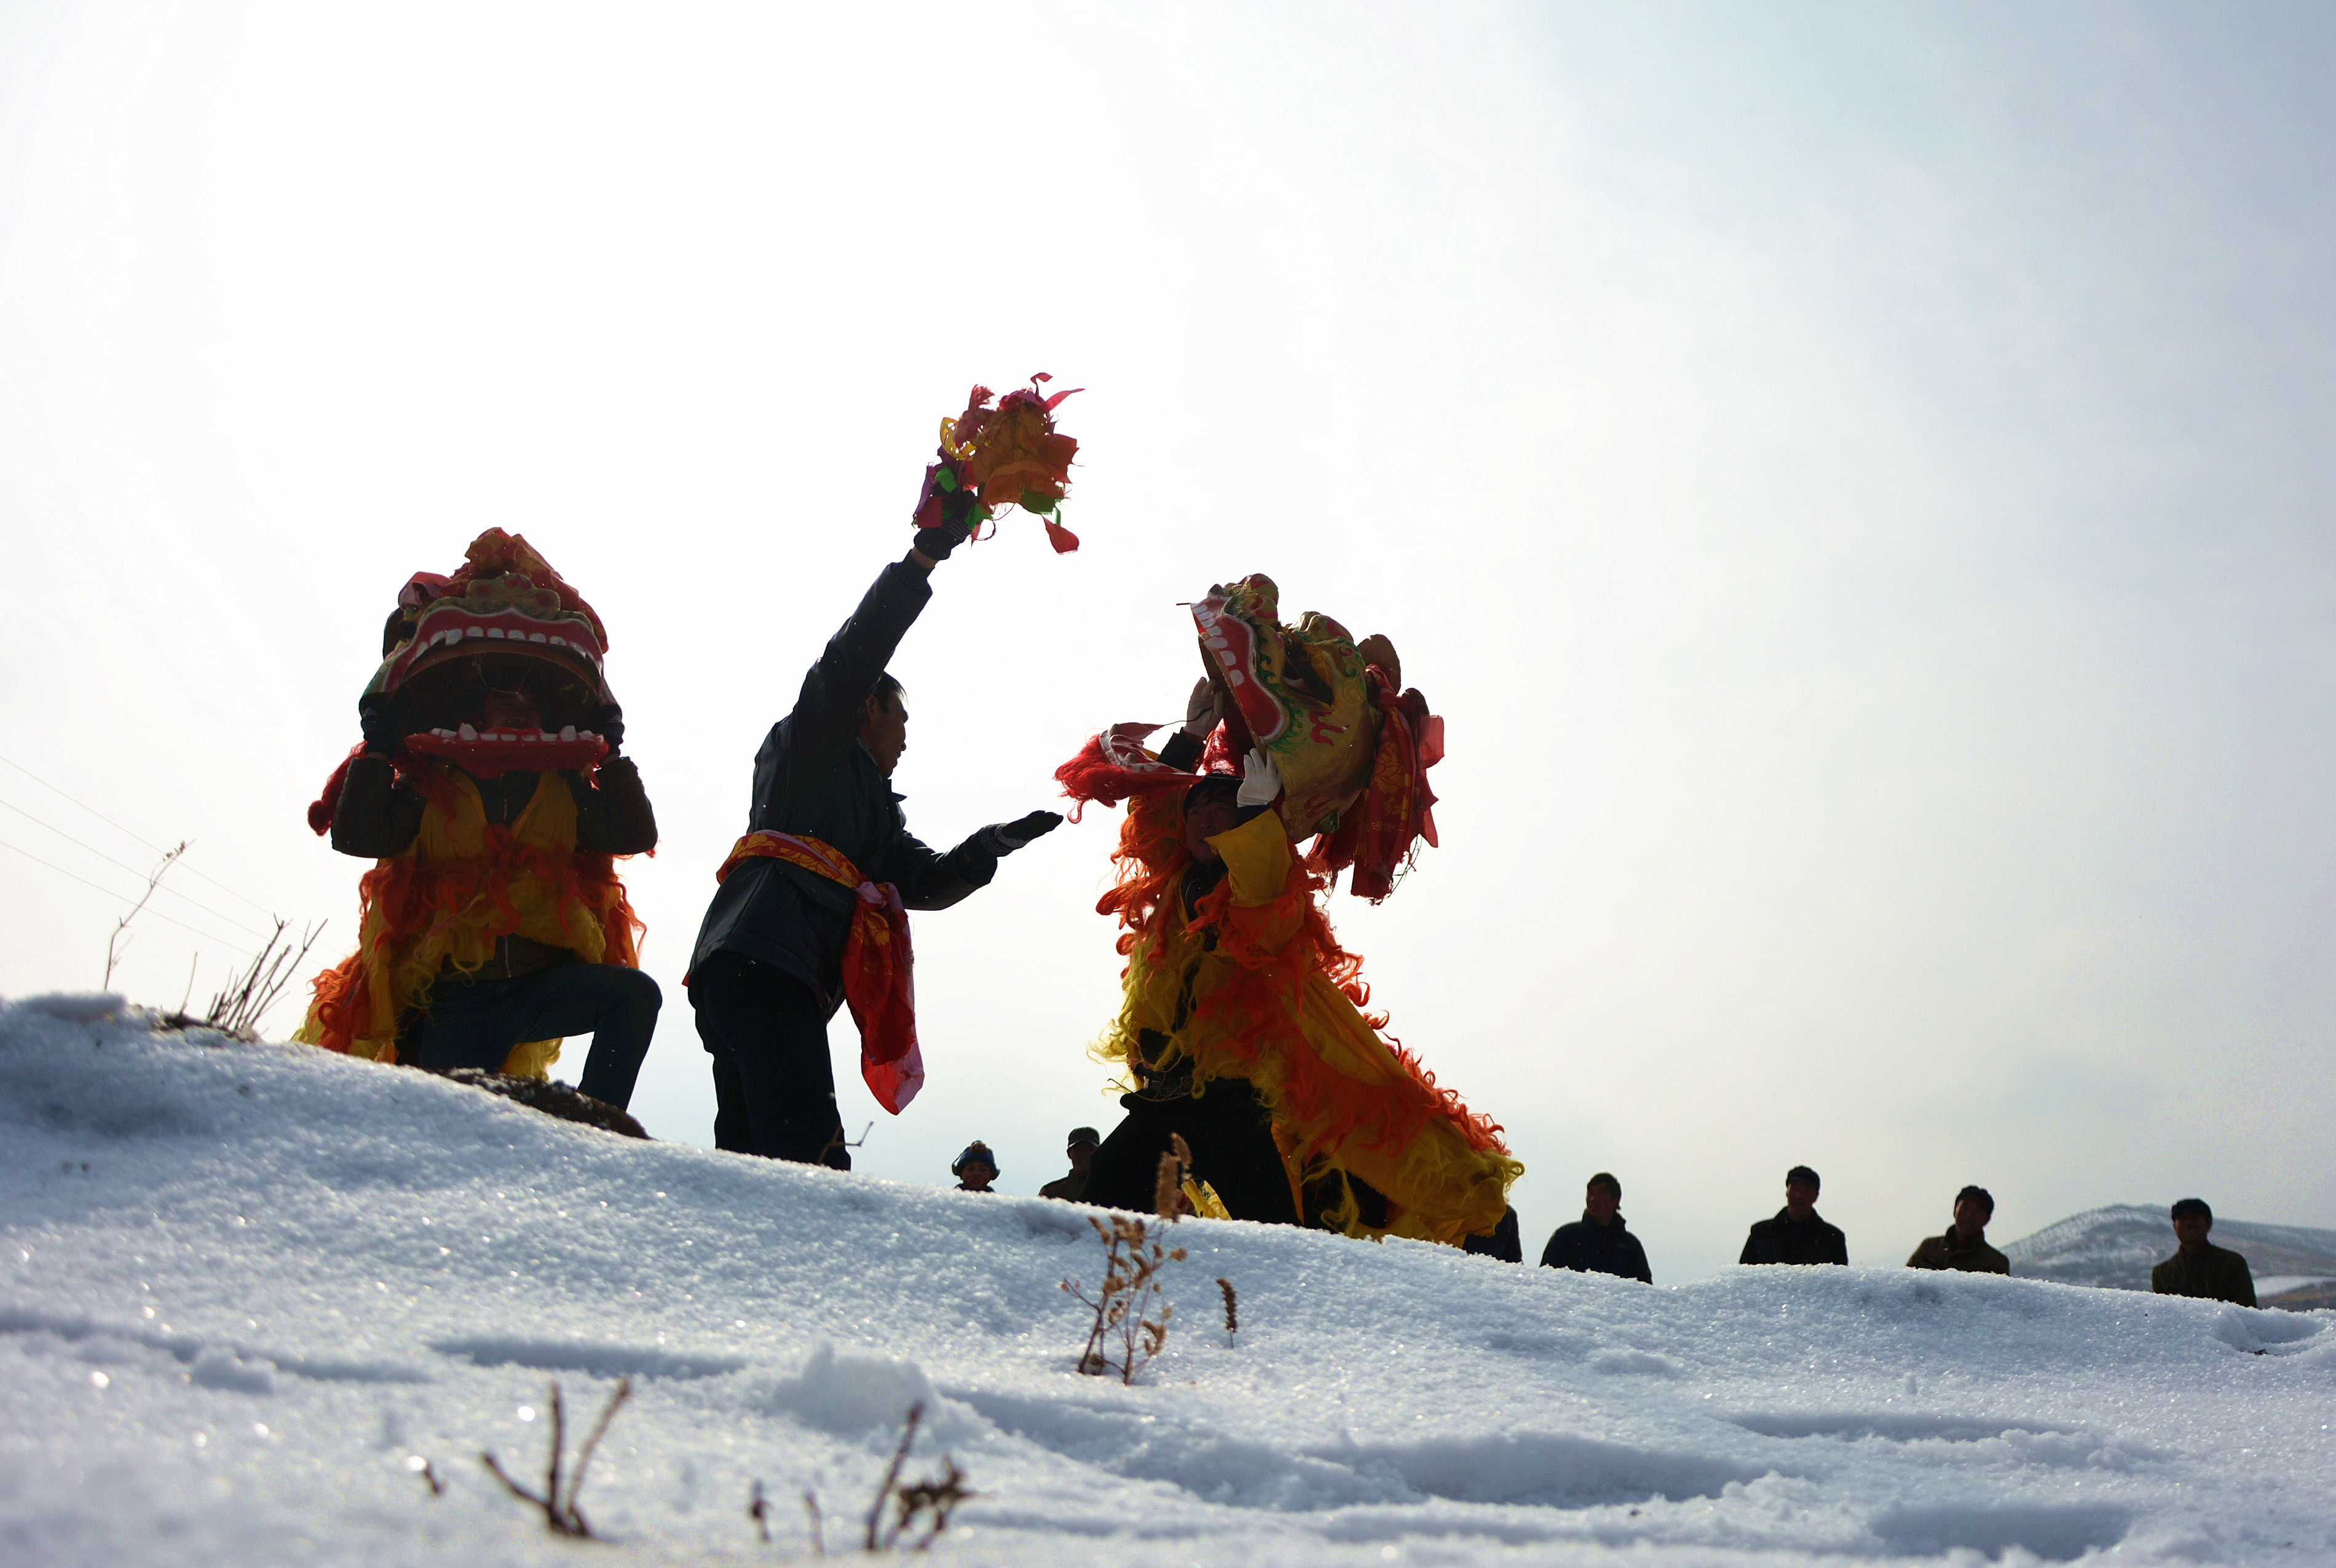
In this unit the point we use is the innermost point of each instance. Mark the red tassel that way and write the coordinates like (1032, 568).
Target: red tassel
(321, 809)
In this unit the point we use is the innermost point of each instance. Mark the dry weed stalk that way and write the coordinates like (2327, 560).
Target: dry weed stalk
(116, 944)
(836, 1140)
(1168, 1200)
(929, 1501)
(237, 1009)
(1123, 1307)
(560, 1513)
(1233, 1313)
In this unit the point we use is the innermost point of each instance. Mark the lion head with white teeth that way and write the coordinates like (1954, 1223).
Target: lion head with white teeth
(505, 621)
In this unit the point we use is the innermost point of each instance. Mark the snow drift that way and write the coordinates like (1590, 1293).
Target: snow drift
(245, 1290)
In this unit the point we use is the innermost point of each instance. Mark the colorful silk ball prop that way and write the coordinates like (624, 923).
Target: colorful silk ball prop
(994, 458)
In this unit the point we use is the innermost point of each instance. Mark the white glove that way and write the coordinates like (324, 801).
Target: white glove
(1261, 780)
(1203, 711)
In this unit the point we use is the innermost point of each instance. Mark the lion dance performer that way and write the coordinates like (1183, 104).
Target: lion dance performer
(489, 792)
(811, 910)
(1243, 1026)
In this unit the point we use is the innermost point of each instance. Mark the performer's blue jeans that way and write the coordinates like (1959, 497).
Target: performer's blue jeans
(475, 1023)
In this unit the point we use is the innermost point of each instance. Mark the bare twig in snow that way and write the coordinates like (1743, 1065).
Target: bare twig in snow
(237, 1009)
(818, 1535)
(1124, 1304)
(557, 1499)
(119, 942)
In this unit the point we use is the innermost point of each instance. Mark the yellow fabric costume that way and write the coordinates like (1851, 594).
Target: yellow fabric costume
(1255, 986)
(464, 883)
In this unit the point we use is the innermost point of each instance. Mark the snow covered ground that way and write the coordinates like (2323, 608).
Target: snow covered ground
(243, 1289)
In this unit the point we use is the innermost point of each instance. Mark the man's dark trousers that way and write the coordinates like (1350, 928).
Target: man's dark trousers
(774, 1080)
(475, 1023)
(1232, 1139)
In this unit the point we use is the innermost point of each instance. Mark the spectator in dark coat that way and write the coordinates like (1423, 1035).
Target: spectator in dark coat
(1599, 1242)
(1080, 1151)
(1964, 1246)
(2200, 1267)
(767, 972)
(1502, 1241)
(1797, 1235)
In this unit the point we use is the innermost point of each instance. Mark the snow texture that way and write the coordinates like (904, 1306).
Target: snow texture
(247, 1290)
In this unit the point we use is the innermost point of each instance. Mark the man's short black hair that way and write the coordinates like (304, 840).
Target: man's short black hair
(886, 690)
(1210, 786)
(1605, 1178)
(2193, 1206)
(1978, 1195)
(1803, 1174)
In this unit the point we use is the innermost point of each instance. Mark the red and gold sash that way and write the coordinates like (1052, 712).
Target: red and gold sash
(877, 983)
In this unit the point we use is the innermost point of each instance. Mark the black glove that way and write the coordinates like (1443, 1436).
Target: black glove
(383, 733)
(1004, 838)
(610, 724)
(944, 512)
(937, 542)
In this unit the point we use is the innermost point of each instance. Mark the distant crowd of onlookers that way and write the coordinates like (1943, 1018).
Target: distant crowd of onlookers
(1601, 1242)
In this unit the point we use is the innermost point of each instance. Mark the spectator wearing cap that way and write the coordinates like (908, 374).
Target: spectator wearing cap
(2200, 1267)
(1964, 1246)
(1599, 1242)
(975, 1169)
(1797, 1235)
(1081, 1152)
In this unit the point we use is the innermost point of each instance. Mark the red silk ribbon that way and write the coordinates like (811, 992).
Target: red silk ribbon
(878, 984)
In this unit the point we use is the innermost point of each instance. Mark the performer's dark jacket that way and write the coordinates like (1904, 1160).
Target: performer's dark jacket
(1595, 1249)
(1948, 1252)
(812, 777)
(1502, 1241)
(376, 817)
(2215, 1273)
(1784, 1240)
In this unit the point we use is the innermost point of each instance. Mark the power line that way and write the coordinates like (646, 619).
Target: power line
(117, 827)
(133, 870)
(109, 893)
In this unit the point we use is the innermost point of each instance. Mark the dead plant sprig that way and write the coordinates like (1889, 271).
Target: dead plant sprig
(929, 1502)
(237, 1009)
(557, 1500)
(1232, 1311)
(1129, 1308)
(1168, 1200)
(118, 943)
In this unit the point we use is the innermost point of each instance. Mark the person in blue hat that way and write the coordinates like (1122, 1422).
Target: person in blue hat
(975, 1169)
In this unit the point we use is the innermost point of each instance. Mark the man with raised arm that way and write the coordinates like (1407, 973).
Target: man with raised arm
(810, 912)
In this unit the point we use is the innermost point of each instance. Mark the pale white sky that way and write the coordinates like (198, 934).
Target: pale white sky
(1854, 479)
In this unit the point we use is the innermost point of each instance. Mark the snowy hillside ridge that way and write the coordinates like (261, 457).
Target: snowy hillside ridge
(2116, 1247)
(247, 1290)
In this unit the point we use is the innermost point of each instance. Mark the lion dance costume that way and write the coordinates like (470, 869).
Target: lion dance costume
(465, 890)
(1249, 983)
